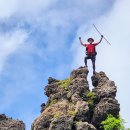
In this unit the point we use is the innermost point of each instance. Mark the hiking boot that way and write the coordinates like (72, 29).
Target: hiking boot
(94, 72)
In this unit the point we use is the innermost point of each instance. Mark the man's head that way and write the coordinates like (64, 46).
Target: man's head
(90, 40)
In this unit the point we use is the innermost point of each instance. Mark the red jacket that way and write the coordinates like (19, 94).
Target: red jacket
(91, 48)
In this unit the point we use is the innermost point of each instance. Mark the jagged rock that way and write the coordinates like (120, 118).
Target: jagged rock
(43, 107)
(7, 123)
(104, 87)
(49, 114)
(62, 123)
(99, 79)
(79, 73)
(75, 98)
(52, 80)
(104, 107)
(51, 89)
(84, 126)
(3, 117)
(79, 85)
(82, 111)
(105, 90)
(72, 106)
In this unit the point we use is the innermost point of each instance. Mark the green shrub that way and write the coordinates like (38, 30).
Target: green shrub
(65, 84)
(91, 95)
(90, 102)
(113, 123)
(90, 98)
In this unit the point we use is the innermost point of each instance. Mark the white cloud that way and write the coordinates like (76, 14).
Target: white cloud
(114, 60)
(7, 8)
(9, 43)
(26, 8)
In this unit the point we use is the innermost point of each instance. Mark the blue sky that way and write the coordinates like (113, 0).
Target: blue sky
(40, 39)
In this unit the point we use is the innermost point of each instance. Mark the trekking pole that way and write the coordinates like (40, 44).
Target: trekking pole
(101, 34)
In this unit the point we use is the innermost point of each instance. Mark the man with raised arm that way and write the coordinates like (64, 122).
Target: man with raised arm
(91, 51)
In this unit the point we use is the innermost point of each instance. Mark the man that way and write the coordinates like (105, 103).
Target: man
(91, 51)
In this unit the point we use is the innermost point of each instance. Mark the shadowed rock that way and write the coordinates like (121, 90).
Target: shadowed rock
(105, 90)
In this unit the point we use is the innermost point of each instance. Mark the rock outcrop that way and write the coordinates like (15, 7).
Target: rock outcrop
(105, 90)
(72, 106)
(7, 123)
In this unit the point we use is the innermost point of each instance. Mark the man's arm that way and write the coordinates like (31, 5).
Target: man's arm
(100, 40)
(81, 41)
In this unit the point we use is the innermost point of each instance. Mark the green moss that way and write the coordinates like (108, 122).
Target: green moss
(90, 99)
(57, 114)
(52, 101)
(72, 113)
(65, 84)
(79, 122)
(91, 95)
(90, 102)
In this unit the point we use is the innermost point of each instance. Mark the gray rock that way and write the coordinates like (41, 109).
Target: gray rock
(99, 79)
(71, 104)
(105, 90)
(42, 123)
(81, 72)
(52, 80)
(82, 111)
(104, 107)
(108, 89)
(62, 123)
(7, 123)
(51, 89)
(3, 117)
(84, 126)
(43, 107)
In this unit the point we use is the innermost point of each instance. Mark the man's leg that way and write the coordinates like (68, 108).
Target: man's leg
(85, 61)
(93, 62)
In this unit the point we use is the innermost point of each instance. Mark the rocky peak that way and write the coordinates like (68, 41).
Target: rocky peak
(7, 123)
(72, 106)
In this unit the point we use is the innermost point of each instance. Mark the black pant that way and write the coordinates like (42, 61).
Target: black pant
(93, 59)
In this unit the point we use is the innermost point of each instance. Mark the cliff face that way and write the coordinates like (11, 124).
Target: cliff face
(7, 123)
(72, 106)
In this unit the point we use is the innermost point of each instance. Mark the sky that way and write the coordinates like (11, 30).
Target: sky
(39, 39)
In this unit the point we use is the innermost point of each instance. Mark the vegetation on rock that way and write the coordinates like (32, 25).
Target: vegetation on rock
(65, 84)
(72, 113)
(57, 114)
(52, 101)
(113, 123)
(90, 98)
